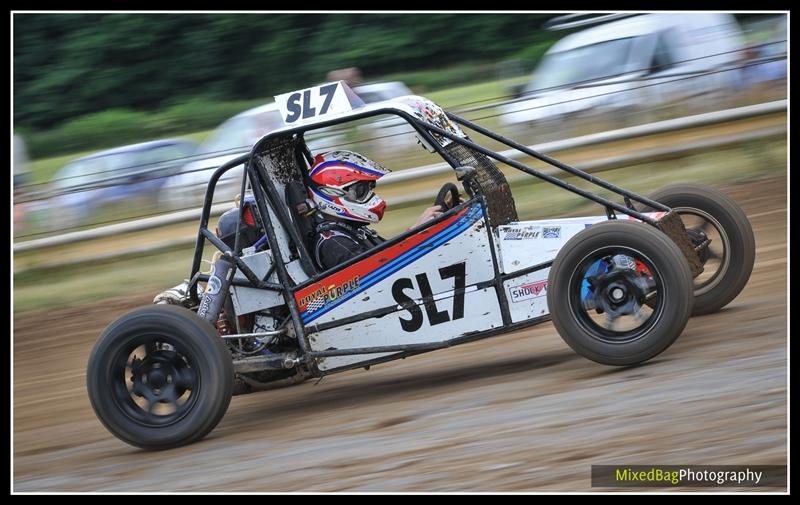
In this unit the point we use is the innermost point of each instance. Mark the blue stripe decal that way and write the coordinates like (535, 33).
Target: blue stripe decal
(348, 164)
(384, 271)
(393, 266)
(418, 251)
(413, 254)
(425, 247)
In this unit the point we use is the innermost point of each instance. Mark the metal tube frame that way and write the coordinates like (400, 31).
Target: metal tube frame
(268, 203)
(628, 195)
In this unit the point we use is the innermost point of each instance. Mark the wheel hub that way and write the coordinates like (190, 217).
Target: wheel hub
(156, 379)
(620, 291)
(160, 374)
(616, 293)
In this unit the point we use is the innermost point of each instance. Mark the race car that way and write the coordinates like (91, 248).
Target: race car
(619, 287)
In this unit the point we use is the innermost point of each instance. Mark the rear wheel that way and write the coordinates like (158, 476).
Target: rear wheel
(160, 377)
(719, 227)
(620, 292)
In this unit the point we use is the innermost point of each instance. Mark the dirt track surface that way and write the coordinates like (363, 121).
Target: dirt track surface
(519, 412)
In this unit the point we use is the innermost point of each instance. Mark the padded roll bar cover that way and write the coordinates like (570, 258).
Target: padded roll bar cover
(297, 200)
(492, 183)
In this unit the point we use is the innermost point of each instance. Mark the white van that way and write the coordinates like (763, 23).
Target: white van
(644, 60)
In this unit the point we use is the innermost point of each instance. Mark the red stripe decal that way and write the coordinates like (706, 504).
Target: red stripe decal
(351, 274)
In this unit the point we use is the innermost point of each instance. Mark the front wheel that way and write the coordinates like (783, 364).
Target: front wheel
(620, 292)
(160, 377)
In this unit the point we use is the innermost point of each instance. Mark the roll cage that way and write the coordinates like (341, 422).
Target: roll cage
(282, 157)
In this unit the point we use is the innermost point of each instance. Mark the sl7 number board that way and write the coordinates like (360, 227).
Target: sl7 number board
(313, 103)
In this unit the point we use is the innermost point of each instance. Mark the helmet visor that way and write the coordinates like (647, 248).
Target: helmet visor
(360, 192)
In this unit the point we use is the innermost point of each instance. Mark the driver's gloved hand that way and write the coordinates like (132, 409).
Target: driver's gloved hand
(428, 214)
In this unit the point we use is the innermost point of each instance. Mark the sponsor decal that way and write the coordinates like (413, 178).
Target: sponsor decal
(551, 232)
(521, 234)
(327, 294)
(204, 306)
(528, 291)
(323, 205)
(214, 285)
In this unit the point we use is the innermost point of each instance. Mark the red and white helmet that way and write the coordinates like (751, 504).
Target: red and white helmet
(343, 184)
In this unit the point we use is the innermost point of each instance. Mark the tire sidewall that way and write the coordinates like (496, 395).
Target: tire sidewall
(675, 294)
(195, 339)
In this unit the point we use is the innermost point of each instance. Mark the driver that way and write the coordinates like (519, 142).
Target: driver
(342, 190)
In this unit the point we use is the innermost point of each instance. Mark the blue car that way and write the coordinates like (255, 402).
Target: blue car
(139, 170)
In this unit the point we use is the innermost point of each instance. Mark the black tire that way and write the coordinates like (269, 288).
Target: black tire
(672, 292)
(182, 358)
(714, 291)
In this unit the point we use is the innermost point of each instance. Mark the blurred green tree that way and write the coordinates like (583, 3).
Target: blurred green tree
(69, 65)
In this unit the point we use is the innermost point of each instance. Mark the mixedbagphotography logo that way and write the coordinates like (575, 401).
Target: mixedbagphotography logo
(689, 476)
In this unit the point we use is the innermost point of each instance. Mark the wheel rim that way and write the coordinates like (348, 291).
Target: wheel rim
(716, 254)
(153, 382)
(616, 294)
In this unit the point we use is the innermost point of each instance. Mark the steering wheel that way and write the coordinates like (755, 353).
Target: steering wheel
(442, 200)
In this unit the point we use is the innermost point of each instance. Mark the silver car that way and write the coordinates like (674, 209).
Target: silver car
(234, 137)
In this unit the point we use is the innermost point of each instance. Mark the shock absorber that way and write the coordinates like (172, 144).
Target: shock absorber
(219, 282)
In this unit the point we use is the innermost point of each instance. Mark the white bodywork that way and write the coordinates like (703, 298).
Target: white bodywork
(527, 243)
(435, 286)
(440, 320)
